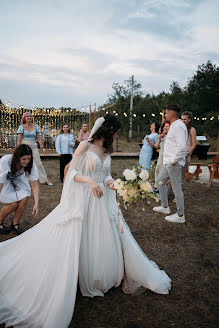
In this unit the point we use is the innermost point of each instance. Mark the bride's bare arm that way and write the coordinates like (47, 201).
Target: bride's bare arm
(95, 187)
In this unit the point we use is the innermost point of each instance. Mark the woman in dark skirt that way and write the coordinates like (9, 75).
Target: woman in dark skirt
(64, 147)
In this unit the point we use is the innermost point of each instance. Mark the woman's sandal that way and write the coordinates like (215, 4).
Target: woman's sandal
(17, 228)
(4, 230)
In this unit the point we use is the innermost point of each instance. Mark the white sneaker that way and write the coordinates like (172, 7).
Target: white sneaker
(175, 218)
(161, 209)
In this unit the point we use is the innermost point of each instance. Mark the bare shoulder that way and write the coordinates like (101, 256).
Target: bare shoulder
(193, 131)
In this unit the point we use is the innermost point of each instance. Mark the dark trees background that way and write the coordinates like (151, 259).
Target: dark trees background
(200, 96)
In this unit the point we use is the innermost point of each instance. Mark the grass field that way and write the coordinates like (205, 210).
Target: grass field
(187, 252)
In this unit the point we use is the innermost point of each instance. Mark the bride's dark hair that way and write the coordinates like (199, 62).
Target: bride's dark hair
(111, 125)
(19, 152)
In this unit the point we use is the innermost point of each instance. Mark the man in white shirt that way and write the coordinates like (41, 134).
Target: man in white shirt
(173, 161)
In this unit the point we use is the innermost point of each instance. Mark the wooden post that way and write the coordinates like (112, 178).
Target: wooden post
(89, 116)
(94, 112)
(131, 108)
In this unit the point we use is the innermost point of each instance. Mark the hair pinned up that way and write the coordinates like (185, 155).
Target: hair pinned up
(190, 116)
(110, 126)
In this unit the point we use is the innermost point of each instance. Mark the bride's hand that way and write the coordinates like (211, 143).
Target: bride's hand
(110, 184)
(95, 188)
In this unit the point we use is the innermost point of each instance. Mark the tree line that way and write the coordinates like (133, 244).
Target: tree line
(200, 96)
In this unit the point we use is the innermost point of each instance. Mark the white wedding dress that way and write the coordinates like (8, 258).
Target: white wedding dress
(83, 238)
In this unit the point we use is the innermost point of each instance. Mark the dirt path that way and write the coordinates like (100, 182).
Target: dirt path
(186, 252)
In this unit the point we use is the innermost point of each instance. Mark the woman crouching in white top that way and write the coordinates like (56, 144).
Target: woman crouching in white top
(18, 173)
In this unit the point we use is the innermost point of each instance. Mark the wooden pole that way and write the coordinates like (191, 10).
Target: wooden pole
(89, 116)
(94, 112)
(131, 107)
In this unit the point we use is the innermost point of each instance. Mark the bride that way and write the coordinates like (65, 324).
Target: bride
(84, 238)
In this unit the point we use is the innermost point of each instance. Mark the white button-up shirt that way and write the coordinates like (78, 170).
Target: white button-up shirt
(65, 143)
(175, 143)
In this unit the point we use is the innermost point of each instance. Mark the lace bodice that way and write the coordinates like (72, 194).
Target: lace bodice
(97, 169)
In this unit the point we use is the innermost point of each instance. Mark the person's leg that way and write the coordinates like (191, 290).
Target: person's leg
(65, 171)
(66, 159)
(40, 168)
(152, 174)
(184, 171)
(22, 204)
(157, 171)
(161, 181)
(15, 225)
(6, 210)
(125, 285)
(169, 187)
(175, 173)
(62, 167)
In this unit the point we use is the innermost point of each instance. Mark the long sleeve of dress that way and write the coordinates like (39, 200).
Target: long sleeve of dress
(108, 177)
(73, 190)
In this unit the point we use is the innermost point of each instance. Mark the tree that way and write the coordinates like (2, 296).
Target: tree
(200, 96)
(202, 91)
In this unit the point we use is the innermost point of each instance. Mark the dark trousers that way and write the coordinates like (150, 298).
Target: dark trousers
(64, 160)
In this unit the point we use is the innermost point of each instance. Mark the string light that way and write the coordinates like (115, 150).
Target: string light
(10, 119)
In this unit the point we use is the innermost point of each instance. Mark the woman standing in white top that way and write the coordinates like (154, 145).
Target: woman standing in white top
(18, 173)
(160, 144)
(64, 147)
(187, 119)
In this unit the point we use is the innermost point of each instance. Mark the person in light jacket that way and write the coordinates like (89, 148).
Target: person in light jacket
(64, 147)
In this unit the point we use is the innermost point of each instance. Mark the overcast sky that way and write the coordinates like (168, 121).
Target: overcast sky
(69, 52)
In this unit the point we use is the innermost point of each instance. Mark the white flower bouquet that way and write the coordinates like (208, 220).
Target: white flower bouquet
(135, 185)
